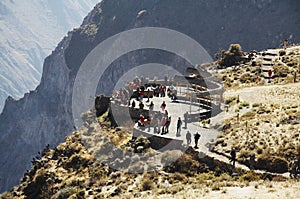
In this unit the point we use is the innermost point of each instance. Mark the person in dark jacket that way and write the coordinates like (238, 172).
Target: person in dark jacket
(197, 137)
(179, 123)
(166, 126)
(233, 156)
(188, 137)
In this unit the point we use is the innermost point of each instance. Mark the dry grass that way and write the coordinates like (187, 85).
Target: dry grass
(286, 70)
(266, 123)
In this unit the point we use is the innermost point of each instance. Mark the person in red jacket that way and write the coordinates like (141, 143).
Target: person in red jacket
(142, 120)
(163, 106)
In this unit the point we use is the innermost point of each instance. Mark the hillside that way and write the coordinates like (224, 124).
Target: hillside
(45, 114)
(83, 167)
(29, 31)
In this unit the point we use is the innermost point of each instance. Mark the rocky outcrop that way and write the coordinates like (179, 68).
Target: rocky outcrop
(45, 116)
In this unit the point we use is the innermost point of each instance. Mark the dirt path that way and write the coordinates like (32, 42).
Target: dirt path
(288, 94)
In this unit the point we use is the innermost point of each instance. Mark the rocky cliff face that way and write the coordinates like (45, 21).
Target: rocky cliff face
(29, 31)
(44, 116)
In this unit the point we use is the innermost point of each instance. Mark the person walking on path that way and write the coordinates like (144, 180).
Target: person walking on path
(197, 137)
(233, 156)
(179, 123)
(188, 137)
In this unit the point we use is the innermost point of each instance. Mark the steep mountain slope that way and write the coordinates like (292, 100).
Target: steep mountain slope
(45, 115)
(29, 31)
(70, 170)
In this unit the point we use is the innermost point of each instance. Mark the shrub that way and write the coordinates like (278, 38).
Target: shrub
(249, 114)
(250, 176)
(292, 63)
(179, 176)
(185, 164)
(147, 184)
(230, 57)
(244, 104)
(298, 149)
(259, 150)
(245, 77)
(272, 164)
(216, 186)
(280, 71)
(282, 52)
(230, 100)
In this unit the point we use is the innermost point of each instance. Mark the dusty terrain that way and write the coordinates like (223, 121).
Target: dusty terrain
(99, 161)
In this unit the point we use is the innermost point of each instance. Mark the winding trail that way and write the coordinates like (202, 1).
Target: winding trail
(208, 134)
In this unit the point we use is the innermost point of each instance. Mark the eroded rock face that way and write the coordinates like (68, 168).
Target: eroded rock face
(29, 32)
(45, 116)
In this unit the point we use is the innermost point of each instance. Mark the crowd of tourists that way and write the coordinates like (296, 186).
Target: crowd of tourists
(139, 94)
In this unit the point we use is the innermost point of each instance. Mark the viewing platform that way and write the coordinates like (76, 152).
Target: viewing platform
(193, 102)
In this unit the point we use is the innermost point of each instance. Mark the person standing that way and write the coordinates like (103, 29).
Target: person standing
(148, 95)
(163, 124)
(185, 119)
(141, 105)
(149, 122)
(168, 122)
(197, 137)
(179, 123)
(133, 104)
(142, 121)
(142, 93)
(188, 137)
(233, 156)
(163, 106)
(151, 106)
(158, 124)
(285, 43)
(252, 161)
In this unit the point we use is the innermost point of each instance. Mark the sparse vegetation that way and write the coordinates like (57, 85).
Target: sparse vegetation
(266, 130)
(147, 184)
(281, 71)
